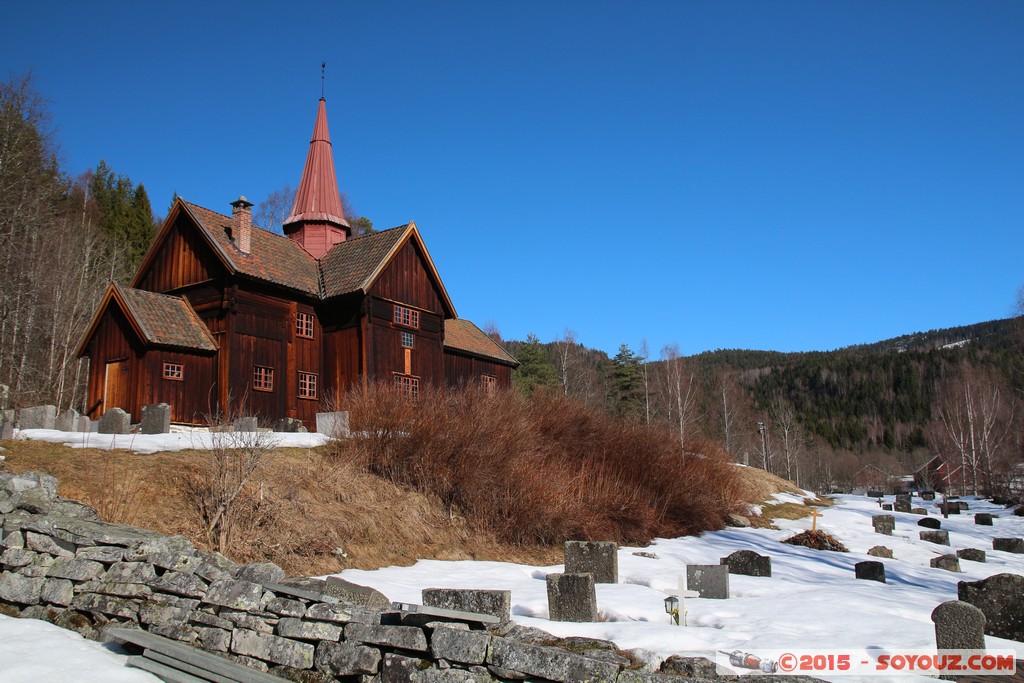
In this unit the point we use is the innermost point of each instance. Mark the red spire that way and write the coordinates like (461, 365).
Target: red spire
(317, 207)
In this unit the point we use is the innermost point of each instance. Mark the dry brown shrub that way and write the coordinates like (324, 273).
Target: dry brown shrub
(817, 540)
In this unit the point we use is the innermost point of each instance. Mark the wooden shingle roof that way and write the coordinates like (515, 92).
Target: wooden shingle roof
(167, 320)
(462, 335)
(351, 265)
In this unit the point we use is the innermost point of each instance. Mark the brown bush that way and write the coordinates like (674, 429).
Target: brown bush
(817, 540)
(540, 470)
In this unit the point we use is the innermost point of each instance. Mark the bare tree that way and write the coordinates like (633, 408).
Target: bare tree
(644, 357)
(784, 417)
(566, 358)
(681, 397)
(273, 211)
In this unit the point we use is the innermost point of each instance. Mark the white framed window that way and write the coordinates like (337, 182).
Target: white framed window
(174, 371)
(307, 385)
(262, 378)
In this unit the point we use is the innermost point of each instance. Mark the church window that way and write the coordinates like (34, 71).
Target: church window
(490, 383)
(406, 316)
(304, 325)
(262, 378)
(408, 340)
(307, 385)
(175, 371)
(409, 386)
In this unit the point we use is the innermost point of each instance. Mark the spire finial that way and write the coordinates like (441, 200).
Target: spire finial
(323, 68)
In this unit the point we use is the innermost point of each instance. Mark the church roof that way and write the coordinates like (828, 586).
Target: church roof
(462, 335)
(351, 265)
(317, 198)
(167, 320)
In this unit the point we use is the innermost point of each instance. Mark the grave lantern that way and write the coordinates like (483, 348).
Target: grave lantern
(672, 608)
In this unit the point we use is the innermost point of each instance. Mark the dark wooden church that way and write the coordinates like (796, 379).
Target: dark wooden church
(225, 317)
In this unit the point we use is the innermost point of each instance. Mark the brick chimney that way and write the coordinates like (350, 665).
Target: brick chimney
(241, 223)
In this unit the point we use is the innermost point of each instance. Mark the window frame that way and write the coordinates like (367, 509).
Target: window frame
(406, 317)
(262, 378)
(409, 385)
(303, 322)
(490, 383)
(308, 382)
(170, 374)
(411, 338)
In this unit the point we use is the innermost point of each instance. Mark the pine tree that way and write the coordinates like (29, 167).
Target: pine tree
(627, 378)
(126, 219)
(535, 370)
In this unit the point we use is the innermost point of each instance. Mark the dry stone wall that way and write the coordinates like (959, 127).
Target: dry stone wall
(61, 563)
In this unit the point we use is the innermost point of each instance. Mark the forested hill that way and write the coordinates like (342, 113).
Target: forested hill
(887, 403)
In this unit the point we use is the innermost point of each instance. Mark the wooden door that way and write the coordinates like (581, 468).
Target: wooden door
(116, 386)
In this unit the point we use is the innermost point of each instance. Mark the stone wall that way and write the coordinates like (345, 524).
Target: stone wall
(61, 563)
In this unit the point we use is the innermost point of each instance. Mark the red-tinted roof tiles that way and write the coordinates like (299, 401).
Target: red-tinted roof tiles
(462, 335)
(317, 198)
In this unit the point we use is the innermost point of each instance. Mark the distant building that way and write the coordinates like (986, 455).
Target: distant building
(938, 475)
(872, 478)
(225, 317)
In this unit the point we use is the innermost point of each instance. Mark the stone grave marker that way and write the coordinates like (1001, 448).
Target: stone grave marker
(334, 425)
(930, 523)
(1001, 599)
(748, 563)
(494, 602)
(1009, 545)
(708, 580)
(876, 494)
(288, 424)
(884, 524)
(247, 423)
(600, 559)
(983, 518)
(902, 503)
(887, 507)
(880, 551)
(959, 626)
(962, 505)
(918, 511)
(115, 421)
(38, 417)
(972, 554)
(66, 421)
(156, 419)
(571, 597)
(950, 563)
(928, 495)
(84, 424)
(938, 536)
(870, 570)
(949, 508)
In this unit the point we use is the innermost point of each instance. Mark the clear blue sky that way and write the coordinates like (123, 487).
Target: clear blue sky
(774, 175)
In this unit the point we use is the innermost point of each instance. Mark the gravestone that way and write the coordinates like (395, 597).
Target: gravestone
(748, 563)
(959, 626)
(6, 424)
(938, 536)
(949, 508)
(115, 421)
(884, 524)
(950, 563)
(870, 570)
(902, 503)
(66, 421)
(334, 425)
(887, 507)
(289, 425)
(1009, 545)
(708, 580)
(962, 505)
(928, 495)
(880, 551)
(972, 554)
(496, 603)
(84, 424)
(38, 417)
(929, 523)
(918, 511)
(1001, 599)
(571, 597)
(156, 419)
(600, 559)
(247, 423)
(875, 494)
(983, 518)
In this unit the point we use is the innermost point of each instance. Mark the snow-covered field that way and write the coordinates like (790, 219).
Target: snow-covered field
(175, 441)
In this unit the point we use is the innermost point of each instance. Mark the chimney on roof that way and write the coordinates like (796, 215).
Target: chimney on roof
(241, 223)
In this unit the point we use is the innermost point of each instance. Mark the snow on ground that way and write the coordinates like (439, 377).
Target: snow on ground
(811, 601)
(175, 441)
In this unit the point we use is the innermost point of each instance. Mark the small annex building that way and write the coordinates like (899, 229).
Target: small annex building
(224, 317)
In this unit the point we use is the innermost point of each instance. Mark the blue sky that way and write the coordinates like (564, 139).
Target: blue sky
(772, 175)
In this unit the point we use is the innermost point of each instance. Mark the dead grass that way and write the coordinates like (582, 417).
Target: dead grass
(817, 540)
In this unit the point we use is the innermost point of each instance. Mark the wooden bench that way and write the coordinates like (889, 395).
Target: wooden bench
(176, 662)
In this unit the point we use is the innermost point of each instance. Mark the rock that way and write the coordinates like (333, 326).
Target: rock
(191, 586)
(748, 563)
(959, 626)
(709, 580)
(983, 518)
(334, 425)
(260, 572)
(880, 551)
(930, 523)
(941, 537)
(548, 663)
(75, 569)
(286, 607)
(494, 602)
(691, 667)
(246, 424)
(57, 592)
(870, 570)
(38, 417)
(67, 421)
(346, 659)
(340, 614)
(571, 597)
(156, 419)
(884, 524)
(354, 594)
(271, 648)
(19, 589)
(1001, 599)
(240, 595)
(115, 421)
(972, 554)
(19, 483)
(1009, 545)
(107, 605)
(734, 520)
(950, 563)
(290, 627)
(600, 559)
(465, 647)
(403, 637)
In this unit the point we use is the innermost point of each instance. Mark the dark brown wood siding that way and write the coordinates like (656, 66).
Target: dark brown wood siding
(192, 399)
(406, 278)
(114, 340)
(461, 368)
(184, 259)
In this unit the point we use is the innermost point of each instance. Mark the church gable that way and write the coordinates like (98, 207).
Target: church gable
(180, 256)
(410, 277)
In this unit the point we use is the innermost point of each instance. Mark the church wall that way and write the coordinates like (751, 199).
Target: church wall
(113, 341)
(406, 279)
(465, 369)
(184, 259)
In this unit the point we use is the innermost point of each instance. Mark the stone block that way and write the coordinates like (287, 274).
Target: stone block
(334, 425)
(251, 622)
(927, 495)
(37, 417)
(939, 536)
(57, 592)
(286, 607)
(354, 594)
(346, 659)
(20, 589)
(298, 629)
(709, 580)
(130, 572)
(402, 637)
(902, 503)
(548, 663)
(6, 425)
(156, 419)
(213, 639)
(887, 507)
(962, 505)
(260, 572)
(75, 569)
(341, 614)
(271, 648)
(930, 523)
(288, 424)
(106, 604)
(918, 511)
(748, 563)
(157, 614)
(571, 597)
(494, 602)
(455, 645)
(187, 586)
(1008, 545)
(115, 421)
(246, 424)
(883, 524)
(983, 518)
(870, 570)
(959, 626)
(67, 421)
(950, 508)
(951, 563)
(240, 595)
(12, 558)
(1001, 599)
(57, 547)
(600, 559)
(972, 554)
(85, 425)
(107, 554)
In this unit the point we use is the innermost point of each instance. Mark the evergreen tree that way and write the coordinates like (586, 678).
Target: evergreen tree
(627, 382)
(125, 219)
(535, 369)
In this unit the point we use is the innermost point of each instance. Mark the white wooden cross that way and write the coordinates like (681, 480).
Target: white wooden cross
(682, 594)
(814, 518)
